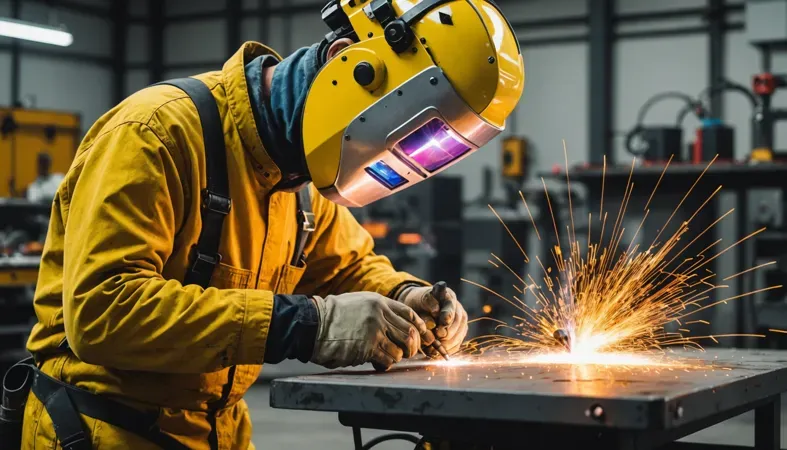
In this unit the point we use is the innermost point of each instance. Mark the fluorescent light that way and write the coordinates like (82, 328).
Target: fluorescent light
(30, 31)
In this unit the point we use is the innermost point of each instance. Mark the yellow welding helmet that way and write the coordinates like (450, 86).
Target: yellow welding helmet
(425, 84)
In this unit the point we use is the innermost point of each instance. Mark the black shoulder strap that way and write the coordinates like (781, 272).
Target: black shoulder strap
(305, 225)
(216, 201)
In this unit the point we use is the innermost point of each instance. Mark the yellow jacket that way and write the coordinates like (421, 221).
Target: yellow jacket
(122, 225)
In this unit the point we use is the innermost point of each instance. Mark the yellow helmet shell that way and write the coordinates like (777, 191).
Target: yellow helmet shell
(469, 40)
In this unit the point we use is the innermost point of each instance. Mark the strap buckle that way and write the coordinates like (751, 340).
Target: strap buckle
(216, 203)
(308, 223)
(204, 263)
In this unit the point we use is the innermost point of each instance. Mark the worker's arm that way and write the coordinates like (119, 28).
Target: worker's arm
(341, 258)
(124, 213)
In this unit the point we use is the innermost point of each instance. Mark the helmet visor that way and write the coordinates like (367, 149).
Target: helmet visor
(433, 146)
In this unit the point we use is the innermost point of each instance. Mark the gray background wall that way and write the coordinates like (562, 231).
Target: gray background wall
(60, 83)
(555, 103)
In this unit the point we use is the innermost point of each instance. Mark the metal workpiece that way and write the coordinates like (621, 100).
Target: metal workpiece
(715, 386)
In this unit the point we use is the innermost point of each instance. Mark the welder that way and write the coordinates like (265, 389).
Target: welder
(203, 228)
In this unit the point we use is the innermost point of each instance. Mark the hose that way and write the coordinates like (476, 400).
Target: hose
(713, 91)
(359, 445)
(391, 437)
(643, 111)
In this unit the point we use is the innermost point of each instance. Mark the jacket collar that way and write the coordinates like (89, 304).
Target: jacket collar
(234, 76)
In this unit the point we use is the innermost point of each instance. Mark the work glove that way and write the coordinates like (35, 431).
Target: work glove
(365, 327)
(439, 308)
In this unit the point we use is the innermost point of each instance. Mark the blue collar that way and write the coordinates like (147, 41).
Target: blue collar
(279, 117)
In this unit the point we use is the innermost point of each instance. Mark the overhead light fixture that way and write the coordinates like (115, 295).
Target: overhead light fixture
(30, 31)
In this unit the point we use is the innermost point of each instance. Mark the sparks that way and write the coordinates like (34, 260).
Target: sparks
(617, 308)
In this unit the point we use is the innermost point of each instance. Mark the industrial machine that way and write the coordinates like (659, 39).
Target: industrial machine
(766, 29)
(420, 229)
(485, 236)
(23, 134)
(713, 139)
(22, 233)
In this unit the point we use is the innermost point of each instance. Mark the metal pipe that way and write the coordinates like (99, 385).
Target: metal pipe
(600, 110)
(233, 26)
(76, 7)
(767, 60)
(716, 44)
(156, 40)
(119, 48)
(779, 114)
(16, 66)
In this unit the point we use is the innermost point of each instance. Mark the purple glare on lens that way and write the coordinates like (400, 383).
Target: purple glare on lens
(433, 145)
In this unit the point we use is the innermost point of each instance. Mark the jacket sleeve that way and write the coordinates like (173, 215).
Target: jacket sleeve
(341, 258)
(124, 213)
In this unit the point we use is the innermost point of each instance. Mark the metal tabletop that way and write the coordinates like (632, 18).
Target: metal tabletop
(513, 397)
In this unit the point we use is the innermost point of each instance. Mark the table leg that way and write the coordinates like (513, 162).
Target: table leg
(357, 438)
(767, 425)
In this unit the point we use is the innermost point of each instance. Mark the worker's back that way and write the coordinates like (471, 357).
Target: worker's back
(129, 211)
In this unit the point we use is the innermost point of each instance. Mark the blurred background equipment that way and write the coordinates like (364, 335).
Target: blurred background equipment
(420, 229)
(22, 233)
(36, 150)
(34, 145)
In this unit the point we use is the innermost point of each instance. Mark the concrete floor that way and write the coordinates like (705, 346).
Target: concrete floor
(281, 429)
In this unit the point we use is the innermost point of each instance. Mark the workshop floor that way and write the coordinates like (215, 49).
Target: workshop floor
(279, 429)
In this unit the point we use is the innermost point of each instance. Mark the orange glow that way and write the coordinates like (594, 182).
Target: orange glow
(410, 238)
(487, 309)
(378, 230)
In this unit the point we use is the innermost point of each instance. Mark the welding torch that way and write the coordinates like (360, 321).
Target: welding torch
(439, 292)
(562, 338)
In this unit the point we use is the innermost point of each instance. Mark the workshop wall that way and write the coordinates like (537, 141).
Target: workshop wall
(5, 61)
(138, 54)
(555, 102)
(43, 78)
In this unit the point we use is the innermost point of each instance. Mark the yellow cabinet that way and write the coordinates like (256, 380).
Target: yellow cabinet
(24, 134)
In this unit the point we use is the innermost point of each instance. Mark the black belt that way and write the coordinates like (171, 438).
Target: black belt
(64, 403)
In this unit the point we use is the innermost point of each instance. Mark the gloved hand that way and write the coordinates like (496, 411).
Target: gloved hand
(445, 316)
(363, 327)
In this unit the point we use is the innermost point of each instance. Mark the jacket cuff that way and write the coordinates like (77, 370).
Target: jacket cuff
(256, 325)
(293, 329)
